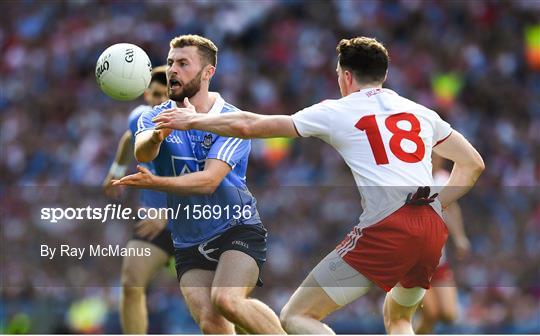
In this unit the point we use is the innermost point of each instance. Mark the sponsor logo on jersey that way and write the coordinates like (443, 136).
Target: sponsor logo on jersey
(172, 138)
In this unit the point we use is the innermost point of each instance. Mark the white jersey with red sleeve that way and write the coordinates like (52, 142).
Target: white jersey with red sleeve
(384, 138)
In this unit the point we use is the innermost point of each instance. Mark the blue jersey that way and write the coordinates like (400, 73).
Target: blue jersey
(201, 217)
(148, 198)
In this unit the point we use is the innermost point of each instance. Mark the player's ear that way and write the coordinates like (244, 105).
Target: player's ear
(209, 71)
(348, 77)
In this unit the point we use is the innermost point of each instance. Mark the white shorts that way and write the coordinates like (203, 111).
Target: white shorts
(341, 282)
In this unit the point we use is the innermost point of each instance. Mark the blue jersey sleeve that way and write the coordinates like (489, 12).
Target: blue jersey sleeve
(145, 123)
(230, 150)
(134, 118)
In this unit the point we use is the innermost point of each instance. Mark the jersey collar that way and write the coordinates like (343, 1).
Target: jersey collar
(374, 90)
(218, 104)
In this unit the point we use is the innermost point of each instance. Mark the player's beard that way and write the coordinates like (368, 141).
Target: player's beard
(188, 90)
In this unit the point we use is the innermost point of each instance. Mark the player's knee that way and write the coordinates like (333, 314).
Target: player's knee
(387, 322)
(288, 317)
(393, 322)
(130, 279)
(132, 293)
(387, 319)
(399, 307)
(397, 325)
(211, 323)
(226, 303)
(285, 317)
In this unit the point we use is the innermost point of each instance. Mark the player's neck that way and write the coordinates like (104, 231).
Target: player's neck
(359, 87)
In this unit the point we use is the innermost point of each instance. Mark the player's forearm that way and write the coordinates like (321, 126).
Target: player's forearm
(122, 158)
(234, 124)
(199, 183)
(462, 179)
(454, 221)
(124, 152)
(245, 125)
(147, 146)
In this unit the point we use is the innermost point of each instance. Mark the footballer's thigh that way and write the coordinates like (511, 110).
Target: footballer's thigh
(137, 271)
(195, 285)
(331, 285)
(243, 252)
(236, 276)
(308, 300)
(236, 272)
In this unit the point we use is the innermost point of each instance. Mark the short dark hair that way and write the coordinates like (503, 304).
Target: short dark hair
(159, 75)
(207, 49)
(365, 57)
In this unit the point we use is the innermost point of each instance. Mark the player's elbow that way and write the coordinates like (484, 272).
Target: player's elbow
(142, 156)
(481, 166)
(471, 163)
(478, 165)
(143, 153)
(243, 130)
(249, 126)
(207, 190)
(208, 185)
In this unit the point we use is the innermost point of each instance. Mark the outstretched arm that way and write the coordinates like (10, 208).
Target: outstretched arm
(198, 183)
(244, 125)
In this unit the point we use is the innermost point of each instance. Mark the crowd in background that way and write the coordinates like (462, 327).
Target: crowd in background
(471, 61)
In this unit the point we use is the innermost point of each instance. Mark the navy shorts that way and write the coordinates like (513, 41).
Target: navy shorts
(163, 240)
(250, 239)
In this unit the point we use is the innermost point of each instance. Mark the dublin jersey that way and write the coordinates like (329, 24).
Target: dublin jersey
(148, 198)
(198, 218)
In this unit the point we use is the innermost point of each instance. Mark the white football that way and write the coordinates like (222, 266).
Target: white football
(123, 71)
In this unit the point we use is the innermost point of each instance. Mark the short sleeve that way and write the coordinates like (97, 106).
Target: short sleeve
(314, 121)
(230, 150)
(144, 122)
(134, 118)
(441, 130)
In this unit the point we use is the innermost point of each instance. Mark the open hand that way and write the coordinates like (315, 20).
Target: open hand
(143, 179)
